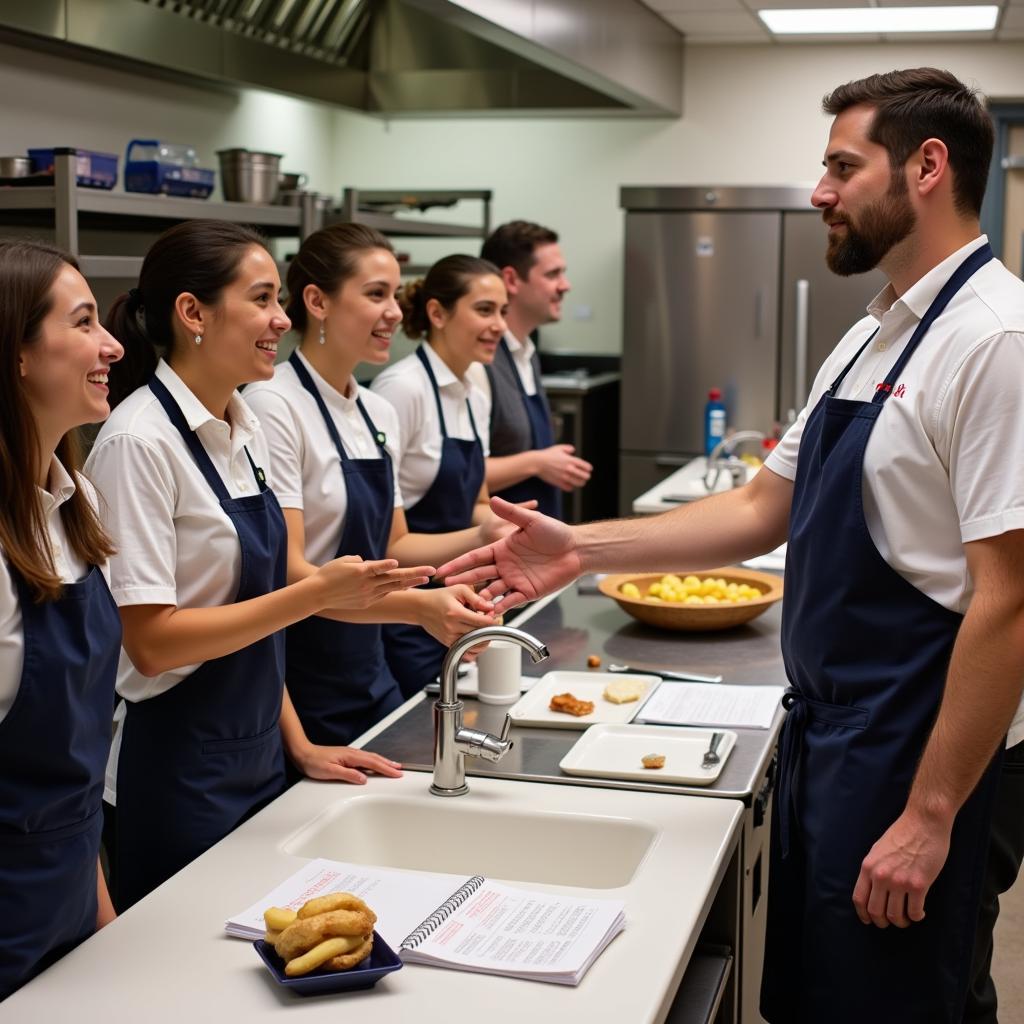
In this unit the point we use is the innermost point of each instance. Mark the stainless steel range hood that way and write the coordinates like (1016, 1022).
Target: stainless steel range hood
(391, 57)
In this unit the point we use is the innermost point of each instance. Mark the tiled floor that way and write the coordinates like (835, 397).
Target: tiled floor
(1009, 955)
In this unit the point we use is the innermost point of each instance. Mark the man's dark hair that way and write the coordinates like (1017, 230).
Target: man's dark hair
(512, 245)
(924, 103)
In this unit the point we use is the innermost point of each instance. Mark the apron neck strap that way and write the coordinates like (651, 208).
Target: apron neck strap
(195, 446)
(422, 356)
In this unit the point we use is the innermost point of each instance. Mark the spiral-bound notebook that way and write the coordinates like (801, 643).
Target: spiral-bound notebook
(468, 924)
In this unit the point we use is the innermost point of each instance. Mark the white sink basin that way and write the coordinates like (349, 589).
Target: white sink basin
(551, 846)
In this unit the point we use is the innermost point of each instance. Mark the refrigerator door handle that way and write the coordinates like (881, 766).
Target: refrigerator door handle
(803, 295)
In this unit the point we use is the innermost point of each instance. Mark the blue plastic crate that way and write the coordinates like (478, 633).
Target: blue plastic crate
(154, 176)
(92, 170)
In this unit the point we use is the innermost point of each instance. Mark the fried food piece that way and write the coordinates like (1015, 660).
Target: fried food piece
(316, 957)
(623, 691)
(270, 936)
(567, 704)
(305, 933)
(653, 760)
(593, 661)
(346, 961)
(278, 918)
(332, 901)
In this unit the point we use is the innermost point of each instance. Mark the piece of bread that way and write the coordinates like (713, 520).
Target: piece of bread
(624, 691)
(653, 760)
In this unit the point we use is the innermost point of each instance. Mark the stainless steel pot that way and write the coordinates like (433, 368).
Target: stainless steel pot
(294, 197)
(289, 181)
(249, 177)
(15, 166)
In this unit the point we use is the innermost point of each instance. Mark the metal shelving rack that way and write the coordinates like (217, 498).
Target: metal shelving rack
(362, 206)
(67, 209)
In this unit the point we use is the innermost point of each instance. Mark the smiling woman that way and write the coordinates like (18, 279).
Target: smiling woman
(200, 576)
(59, 630)
(335, 448)
(459, 308)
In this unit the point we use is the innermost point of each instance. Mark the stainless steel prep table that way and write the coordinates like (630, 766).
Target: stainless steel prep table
(579, 622)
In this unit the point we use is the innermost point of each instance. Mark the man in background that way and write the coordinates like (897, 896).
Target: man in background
(525, 463)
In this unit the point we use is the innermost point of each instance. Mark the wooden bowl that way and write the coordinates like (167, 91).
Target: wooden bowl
(672, 615)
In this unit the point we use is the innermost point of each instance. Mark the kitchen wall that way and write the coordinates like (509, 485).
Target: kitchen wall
(751, 117)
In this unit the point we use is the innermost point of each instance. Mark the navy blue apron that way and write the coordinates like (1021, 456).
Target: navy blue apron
(414, 655)
(866, 654)
(54, 742)
(203, 756)
(338, 678)
(542, 435)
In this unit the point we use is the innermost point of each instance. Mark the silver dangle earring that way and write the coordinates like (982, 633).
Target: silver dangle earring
(199, 339)
(322, 339)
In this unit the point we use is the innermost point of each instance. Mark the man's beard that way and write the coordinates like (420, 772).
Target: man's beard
(879, 227)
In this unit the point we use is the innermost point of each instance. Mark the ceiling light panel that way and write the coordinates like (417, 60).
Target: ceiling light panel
(864, 20)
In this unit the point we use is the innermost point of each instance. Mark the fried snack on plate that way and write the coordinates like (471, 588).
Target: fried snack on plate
(623, 691)
(333, 901)
(567, 704)
(346, 961)
(278, 918)
(305, 933)
(593, 661)
(653, 760)
(316, 957)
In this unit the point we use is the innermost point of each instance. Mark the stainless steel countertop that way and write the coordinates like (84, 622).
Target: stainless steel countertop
(575, 625)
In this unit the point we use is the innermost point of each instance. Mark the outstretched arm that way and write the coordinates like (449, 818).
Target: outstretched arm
(544, 554)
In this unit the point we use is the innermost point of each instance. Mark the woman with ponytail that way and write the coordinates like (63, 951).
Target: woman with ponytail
(199, 576)
(334, 448)
(458, 309)
(59, 630)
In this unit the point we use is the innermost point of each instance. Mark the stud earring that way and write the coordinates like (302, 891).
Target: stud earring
(323, 340)
(199, 339)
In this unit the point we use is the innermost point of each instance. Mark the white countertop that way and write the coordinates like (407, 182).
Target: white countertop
(168, 960)
(686, 484)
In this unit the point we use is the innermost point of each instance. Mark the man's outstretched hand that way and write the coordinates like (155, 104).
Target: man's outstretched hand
(537, 558)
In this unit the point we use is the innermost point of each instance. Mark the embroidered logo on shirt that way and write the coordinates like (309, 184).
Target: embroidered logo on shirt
(899, 392)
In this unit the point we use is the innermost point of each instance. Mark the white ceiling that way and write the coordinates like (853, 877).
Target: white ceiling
(710, 22)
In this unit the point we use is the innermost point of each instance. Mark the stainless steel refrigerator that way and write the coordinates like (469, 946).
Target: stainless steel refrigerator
(726, 288)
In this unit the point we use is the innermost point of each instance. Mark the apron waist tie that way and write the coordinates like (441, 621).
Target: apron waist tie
(802, 710)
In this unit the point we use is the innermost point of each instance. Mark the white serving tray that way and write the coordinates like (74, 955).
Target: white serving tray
(533, 709)
(614, 752)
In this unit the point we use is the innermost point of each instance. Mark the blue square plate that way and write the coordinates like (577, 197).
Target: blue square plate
(383, 960)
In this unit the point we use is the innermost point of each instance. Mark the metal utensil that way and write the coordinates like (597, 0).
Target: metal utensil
(15, 166)
(711, 757)
(685, 677)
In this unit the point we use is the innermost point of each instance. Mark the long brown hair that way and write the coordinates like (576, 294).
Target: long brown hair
(27, 273)
(197, 256)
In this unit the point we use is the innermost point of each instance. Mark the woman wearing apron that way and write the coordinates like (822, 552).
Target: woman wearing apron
(333, 445)
(458, 308)
(200, 572)
(59, 630)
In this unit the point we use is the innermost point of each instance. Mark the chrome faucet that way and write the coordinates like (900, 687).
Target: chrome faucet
(453, 741)
(723, 457)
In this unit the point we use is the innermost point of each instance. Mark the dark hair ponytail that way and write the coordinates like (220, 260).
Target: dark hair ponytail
(446, 281)
(328, 258)
(197, 256)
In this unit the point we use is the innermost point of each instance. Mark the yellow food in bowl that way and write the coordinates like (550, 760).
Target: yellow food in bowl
(693, 590)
